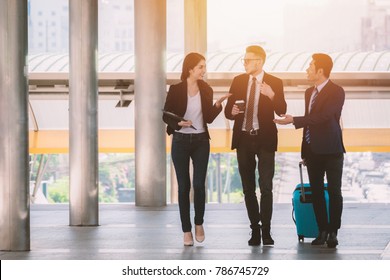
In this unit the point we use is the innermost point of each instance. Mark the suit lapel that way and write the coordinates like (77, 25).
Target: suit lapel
(308, 94)
(267, 81)
(321, 95)
(182, 104)
(245, 83)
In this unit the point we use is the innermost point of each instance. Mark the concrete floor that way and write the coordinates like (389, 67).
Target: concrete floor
(127, 232)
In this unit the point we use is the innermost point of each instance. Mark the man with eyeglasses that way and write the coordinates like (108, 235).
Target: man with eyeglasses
(255, 136)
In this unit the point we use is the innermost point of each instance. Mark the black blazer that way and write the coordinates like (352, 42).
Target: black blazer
(323, 120)
(176, 102)
(268, 131)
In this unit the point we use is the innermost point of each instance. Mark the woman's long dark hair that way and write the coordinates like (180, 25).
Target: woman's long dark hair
(190, 61)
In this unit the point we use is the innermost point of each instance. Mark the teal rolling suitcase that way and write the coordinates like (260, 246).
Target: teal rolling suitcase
(303, 212)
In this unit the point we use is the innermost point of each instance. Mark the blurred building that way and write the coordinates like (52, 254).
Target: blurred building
(294, 26)
(48, 25)
(375, 32)
(116, 25)
(328, 26)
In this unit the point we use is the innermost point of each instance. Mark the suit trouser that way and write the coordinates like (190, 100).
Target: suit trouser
(331, 165)
(250, 148)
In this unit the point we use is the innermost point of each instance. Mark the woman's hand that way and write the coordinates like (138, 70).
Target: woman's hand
(223, 98)
(185, 123)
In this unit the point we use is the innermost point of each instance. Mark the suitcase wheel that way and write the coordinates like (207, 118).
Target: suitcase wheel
(301, 238)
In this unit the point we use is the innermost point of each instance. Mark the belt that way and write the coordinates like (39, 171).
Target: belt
(252, 132)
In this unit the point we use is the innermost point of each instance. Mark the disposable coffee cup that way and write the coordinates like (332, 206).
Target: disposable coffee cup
(241, 105)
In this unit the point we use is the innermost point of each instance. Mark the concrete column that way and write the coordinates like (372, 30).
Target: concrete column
(83, 106)
(14, 157)
(149, 98)
(195, 26)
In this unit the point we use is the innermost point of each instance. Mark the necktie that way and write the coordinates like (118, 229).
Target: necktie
(250, 106)
(315, 94)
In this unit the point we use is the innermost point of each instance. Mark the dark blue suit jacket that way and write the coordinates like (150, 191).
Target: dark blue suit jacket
(323, 120)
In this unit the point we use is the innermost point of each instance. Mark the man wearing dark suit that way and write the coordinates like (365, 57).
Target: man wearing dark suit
(322, 146)
(255, 135)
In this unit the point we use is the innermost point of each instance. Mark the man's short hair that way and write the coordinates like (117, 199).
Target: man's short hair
(257, 50)
(324, 61)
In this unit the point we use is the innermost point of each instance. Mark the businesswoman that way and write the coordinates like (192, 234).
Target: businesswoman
(192, 100)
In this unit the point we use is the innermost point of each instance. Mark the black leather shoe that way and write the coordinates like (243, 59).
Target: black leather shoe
(332, 240)
(321, 239)
(256, 238)
(267, 239)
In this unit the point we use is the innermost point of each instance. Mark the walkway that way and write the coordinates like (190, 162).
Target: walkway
(127, 232)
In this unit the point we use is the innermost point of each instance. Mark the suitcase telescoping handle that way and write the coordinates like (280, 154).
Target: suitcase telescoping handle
(303, 198)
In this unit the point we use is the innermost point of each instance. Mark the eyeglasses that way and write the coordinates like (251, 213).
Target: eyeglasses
(247, 60)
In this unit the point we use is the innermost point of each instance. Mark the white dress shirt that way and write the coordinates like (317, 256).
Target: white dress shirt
(259, 79)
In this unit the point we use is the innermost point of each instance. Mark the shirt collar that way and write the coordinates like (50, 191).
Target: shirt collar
(321, 86)
(259, 77)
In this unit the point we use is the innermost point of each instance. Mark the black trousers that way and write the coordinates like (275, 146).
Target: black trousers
(331, 165)
(197, 148)
(250, 148)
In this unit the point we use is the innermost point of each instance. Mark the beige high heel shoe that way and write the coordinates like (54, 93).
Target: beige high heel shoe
(199, 233)
(188, 239)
